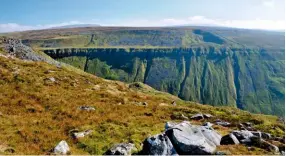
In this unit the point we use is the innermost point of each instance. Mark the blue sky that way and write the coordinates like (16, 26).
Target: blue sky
(37, 14)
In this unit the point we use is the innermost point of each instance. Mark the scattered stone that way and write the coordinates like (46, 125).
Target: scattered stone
(223, 123)
(208, 124)
(62, 148)
(78, 135)
(163, 104)
(197, 117)
(220, 153)
(158, 145)
(229, 139)
(206, 116)
(96, 87)
(174, 103)
(190, 140)
(87, 108)
(52, 79)
(145, 104)
(121, 149)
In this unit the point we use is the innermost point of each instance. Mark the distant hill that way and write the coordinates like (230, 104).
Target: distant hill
(76, 26)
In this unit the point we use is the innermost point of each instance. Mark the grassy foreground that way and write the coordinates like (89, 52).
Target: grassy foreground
(36, 113)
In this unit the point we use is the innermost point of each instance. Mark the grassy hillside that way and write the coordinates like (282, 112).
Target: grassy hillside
(250, 79)
(37, 111)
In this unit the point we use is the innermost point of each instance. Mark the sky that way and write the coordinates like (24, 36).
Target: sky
(19, 15)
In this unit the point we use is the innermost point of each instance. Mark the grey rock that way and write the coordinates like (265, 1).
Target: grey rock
(223, 123)
(229, 139)
(121, 149)
(197, 117)
(211, 134)
(207, 116)
(188, 139)
(262, 135)
(266, 135)
(244, 136)
(87, 108)
(62, 148)
(158, 145)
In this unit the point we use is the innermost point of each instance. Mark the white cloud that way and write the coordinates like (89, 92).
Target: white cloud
(268, 3)
(194, 20)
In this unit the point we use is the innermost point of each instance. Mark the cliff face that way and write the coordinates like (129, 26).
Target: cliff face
(250, 79)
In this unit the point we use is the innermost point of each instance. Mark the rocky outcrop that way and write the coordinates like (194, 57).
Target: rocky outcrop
(14, 47)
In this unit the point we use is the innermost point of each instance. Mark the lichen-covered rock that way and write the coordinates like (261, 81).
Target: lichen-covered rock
(158, 145)
(121, 149)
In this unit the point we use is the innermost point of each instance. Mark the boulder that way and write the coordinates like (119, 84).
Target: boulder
(197, 117)
(193, 140)
(87, 108)
(62, 148)
(211, 134)
(229, 139)
(158, 145)
(120, 149)
(243, 136)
